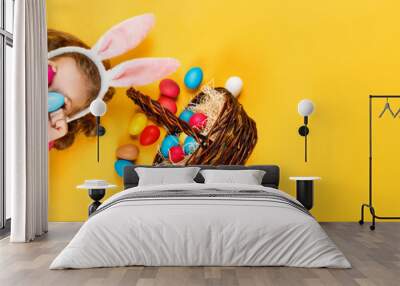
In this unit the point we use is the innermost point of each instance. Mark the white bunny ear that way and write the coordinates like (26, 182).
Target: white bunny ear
(123, 36)
(141, 71)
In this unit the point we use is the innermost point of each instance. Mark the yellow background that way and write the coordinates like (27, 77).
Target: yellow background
(335, 53)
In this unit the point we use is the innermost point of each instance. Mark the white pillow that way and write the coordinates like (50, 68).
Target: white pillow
(247, 177)
(166, 176)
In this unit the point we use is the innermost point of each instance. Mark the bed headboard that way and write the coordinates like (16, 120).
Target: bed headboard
(271, 177)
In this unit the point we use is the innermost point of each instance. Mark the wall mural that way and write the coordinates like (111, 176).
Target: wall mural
(212, 129)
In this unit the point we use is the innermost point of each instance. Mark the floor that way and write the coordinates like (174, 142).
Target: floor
(375, 257)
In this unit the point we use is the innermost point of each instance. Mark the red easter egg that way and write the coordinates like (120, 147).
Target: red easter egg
(168, 103)
(176, 154)
(169, 88)
(198, 121)
(149, 135)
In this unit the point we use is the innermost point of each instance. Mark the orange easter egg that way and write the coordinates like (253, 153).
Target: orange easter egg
(128, 152)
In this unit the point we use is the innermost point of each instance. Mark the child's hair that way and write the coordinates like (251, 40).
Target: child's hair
(87, 124)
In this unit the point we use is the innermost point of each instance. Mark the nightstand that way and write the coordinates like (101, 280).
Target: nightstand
(97, 190)
(305, 190)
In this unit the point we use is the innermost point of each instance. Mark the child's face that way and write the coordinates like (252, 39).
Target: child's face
(70, 82)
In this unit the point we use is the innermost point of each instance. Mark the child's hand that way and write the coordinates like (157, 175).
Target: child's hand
(57, 124)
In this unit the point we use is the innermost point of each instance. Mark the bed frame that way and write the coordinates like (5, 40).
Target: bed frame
(271, 177)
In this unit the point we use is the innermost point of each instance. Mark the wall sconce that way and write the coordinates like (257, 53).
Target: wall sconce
(98, 108)
(305, 108)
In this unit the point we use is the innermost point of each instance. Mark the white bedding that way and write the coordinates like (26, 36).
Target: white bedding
(200, 231)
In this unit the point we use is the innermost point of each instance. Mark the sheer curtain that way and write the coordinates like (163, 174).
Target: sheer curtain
(26, 120)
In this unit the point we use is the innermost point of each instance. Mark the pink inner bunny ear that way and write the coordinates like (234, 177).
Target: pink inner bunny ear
(124, 36)
(142, 71)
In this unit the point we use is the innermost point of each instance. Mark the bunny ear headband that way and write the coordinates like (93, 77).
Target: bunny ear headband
(116, 41)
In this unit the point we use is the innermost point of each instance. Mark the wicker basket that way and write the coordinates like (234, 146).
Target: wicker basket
(234, 133)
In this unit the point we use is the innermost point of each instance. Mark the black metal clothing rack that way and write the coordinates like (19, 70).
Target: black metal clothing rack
(370, 204)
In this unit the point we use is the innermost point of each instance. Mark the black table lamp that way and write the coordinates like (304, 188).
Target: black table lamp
(305, 108)
(98, 108)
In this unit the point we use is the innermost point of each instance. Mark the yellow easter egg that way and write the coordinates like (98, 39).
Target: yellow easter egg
(182, 137)
(137, 124)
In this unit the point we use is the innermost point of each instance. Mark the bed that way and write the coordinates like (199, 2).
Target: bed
(199, 224)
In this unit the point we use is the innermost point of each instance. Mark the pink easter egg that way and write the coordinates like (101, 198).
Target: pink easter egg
(149, 135)
(50, 74)
(176, 154)
(198, 121)
(168, 103)
(169, 88)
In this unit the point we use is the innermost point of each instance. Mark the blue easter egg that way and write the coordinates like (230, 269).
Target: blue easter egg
(168, 142)
(193, 78)
(120, 165)
(185, 115)
(190, 145)
(55, 101)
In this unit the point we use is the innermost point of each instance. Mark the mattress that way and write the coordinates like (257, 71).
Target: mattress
(201, 225)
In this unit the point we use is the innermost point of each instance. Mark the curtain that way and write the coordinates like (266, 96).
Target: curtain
(26, 124)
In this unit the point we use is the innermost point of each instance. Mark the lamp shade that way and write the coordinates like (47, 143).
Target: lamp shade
(98, 107)
(305, 107)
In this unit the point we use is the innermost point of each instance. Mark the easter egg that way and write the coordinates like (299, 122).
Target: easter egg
(120, 165)
(182, 137)
(168, 142)
(101, 131)
(176, 154)
(193, 78)
(234, 85)
(168, 103)
(169, 88)
(149, 135)
(185, 115)
(137, 124)
(190, 145)
(127, 152)
(55, 101)
(198, 121)
(50, 74)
